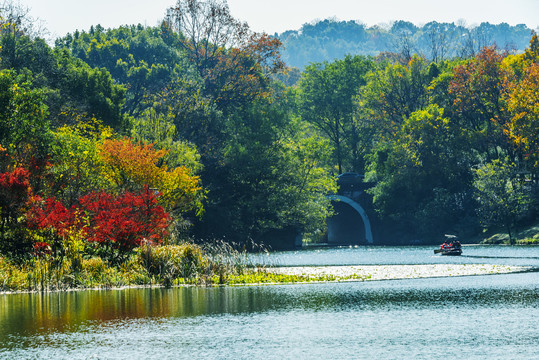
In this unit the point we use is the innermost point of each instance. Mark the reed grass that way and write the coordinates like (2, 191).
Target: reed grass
(214, 263)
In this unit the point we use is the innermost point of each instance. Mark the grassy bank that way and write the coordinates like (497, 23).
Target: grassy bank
(148, 265)
(528, 235)
(167, 266)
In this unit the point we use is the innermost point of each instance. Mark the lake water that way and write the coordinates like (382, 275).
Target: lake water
(403, 255)
(477, 317)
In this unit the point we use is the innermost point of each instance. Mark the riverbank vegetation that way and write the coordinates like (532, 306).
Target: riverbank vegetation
(124, 151)
(162, 266)
(526, 235)
(169, 265)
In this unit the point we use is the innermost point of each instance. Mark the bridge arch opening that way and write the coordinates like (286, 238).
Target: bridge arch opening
(343, 229)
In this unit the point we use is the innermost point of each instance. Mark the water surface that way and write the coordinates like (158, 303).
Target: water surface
(476, 317)
(404, 255)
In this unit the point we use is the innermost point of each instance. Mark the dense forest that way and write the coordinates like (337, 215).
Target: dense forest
(330, 39)
(115, 138)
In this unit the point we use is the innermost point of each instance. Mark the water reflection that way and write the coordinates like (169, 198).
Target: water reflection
(26, 314)
(481, 316)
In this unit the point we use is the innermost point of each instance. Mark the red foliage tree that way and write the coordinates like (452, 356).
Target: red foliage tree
(53, 215)
(57, 219)
(15, 195)
(121, 223)
(15, 191)
(117, 224)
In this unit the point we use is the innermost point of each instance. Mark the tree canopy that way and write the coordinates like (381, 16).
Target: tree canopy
(198, 122)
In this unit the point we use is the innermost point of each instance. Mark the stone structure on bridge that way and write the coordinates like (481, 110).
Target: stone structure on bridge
(350, 225)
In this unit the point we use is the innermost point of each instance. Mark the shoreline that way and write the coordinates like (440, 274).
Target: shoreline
(328, 274)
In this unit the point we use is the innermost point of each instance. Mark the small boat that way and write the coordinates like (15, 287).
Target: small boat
(450, 248)
(449, 251)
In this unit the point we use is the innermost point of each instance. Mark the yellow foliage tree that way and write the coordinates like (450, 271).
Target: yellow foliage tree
(130, 166)
(522, 101)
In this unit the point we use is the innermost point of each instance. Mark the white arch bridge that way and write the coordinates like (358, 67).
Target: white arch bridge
(332, 229)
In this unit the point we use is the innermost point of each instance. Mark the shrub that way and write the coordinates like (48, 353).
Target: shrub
(117, 223)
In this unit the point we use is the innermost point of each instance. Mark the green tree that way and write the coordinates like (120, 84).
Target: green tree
(143, 59)
(393, 93)
(326, 100)
(194, 116)
(270, 178)
(84, 91)
(503, 197)
(156, 128)
(76, 168)
(23, 114)
(422, 175)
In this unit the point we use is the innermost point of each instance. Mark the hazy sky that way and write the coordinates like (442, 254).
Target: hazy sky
(63, 16)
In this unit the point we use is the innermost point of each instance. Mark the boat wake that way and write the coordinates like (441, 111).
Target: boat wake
(500, 257)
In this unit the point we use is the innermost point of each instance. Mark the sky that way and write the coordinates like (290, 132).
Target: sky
(271, 16)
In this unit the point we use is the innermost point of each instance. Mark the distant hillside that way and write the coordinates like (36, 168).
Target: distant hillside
(331, 39)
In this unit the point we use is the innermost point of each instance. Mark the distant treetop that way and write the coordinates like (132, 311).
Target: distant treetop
(330, 39)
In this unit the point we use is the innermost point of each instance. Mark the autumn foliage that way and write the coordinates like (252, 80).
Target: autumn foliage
(124, 220)
(133, 166)
(52, 215)
(15, 191)
(523, 100)
(117, 223)
(15, 196)
(112, 215)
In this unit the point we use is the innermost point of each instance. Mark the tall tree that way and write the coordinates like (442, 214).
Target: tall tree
(143, 59)
(233, 62)
(502, 197)
(523, 100)
(522, 97)
(393, 93)
(326, 98)
(23, 114)
(422, 174)
(477, 91)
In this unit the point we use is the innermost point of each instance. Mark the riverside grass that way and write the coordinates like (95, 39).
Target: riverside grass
(96, 274)
(147, 266)
(172, 265)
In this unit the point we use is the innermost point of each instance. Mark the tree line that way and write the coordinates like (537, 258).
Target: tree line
(449, 146)
(330, 39)
(183, 132)
(184, 128)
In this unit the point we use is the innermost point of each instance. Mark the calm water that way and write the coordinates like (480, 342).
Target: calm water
(371, 255)
(478, 317)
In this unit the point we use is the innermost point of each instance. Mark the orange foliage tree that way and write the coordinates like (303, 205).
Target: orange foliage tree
(131, 166)
(477, 90)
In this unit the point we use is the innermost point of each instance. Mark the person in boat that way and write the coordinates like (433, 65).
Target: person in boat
(457, 244)
(444, 246)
